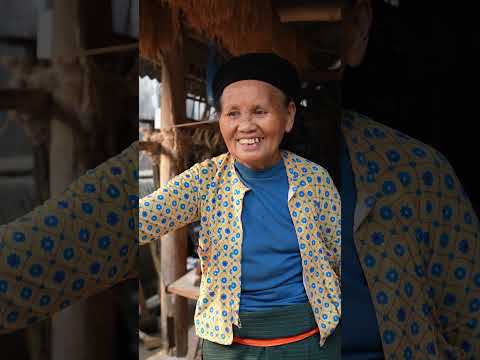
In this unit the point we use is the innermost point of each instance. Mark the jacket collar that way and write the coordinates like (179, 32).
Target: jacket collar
(294, 173)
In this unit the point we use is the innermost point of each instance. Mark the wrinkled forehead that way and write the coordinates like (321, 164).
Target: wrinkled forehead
(251, 92)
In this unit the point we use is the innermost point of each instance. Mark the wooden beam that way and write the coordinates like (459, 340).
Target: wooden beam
(320, 11)
(195, 124)
(86, 330)
(173, 246)
(108, 50)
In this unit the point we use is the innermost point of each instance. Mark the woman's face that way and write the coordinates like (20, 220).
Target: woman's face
(253, 119)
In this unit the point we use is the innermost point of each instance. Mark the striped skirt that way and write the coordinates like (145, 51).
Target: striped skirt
(280, 322)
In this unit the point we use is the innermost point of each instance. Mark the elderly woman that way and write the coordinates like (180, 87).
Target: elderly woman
(270, 225)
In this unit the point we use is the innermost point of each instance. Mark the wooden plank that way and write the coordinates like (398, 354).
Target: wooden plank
(108, 50)
(150, 342)
(185, 286)
(329, 12)
(194, 124)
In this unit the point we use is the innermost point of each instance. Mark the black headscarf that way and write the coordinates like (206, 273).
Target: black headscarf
(267, 67)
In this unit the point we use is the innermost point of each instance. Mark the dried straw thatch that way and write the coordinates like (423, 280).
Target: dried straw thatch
(237, 26)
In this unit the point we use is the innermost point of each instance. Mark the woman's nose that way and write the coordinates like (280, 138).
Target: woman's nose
(246, 123)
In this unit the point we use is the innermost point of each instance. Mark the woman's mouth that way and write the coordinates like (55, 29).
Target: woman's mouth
(250, 141)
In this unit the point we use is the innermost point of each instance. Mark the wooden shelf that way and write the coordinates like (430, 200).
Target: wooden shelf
(185, 286)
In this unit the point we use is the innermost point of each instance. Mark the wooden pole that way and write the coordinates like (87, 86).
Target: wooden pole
(69, 326)
(85, 330)
(173, 245)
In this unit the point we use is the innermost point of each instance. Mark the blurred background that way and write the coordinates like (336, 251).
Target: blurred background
(68, 102)
(419, 76)
(74, 91)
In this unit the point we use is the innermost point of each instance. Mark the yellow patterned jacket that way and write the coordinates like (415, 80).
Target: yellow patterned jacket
(415, 230)
(211, 192)
(417, 238)
(72, 246)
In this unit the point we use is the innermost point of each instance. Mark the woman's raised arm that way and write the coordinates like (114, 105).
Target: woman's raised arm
(74, 245)
(171, 206)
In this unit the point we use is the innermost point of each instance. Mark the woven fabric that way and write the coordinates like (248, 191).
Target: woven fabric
(285, 321)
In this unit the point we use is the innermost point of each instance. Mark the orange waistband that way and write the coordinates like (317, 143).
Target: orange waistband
(275, 342)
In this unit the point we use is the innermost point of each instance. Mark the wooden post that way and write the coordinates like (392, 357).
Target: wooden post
(85, 330)
(69, 326)
(173, 245)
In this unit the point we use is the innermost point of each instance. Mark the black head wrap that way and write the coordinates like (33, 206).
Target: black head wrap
(267, 67)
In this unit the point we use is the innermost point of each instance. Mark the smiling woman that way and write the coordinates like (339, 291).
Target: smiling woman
(253, 121)
(270, 235)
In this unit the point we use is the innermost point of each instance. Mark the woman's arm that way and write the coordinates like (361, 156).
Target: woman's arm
(72, 246)
(170, 207)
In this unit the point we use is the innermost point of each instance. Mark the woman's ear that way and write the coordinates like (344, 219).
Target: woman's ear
(291, 111)
(357, 23)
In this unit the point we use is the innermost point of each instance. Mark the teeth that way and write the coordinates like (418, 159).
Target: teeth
(249, 141)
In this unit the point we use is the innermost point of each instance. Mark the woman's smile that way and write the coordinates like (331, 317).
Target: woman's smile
(250, 144)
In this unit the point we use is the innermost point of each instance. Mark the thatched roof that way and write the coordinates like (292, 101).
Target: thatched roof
(237, 26)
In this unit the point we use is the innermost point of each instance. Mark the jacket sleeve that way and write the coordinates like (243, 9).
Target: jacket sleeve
(171, 207)
(454, 268)
(72, 246)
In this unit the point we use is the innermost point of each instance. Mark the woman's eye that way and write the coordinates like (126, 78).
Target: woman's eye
(232, 113)
(260, 112)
